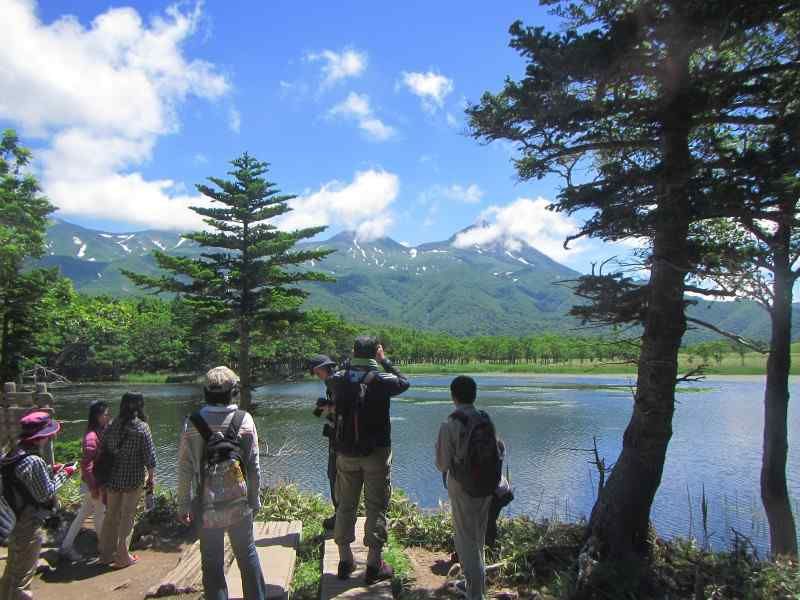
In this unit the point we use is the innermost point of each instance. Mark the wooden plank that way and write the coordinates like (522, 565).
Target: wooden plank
(333, 587)
(187, 576)
(276, 545)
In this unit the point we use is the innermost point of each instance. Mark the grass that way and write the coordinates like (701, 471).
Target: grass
(752, 364)
(288, 503)
(538, 557)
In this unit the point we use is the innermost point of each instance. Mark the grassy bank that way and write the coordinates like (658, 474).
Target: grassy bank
(750, 364)
(753, 364)
(536, 558)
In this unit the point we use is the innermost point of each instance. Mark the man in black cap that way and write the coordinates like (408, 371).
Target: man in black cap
(363, 393)
(323, 367)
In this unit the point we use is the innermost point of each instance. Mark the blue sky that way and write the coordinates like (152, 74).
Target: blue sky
(357, 106)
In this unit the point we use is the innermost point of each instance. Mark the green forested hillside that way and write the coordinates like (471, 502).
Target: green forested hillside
(479, 290)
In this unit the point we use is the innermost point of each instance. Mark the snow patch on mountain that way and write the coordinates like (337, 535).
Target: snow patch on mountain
(82, 251)
(76, 240)
(413, 253)
(159, 245)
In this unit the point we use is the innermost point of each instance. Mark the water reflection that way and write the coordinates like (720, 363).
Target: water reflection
(716, 442)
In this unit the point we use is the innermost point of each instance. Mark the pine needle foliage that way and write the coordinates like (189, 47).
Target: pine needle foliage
(248, 278)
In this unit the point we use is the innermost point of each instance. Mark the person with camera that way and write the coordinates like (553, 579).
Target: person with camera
(362, 395)
(323, 367)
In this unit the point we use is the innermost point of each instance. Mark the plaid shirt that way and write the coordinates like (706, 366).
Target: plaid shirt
(136, 453)
(37, 477)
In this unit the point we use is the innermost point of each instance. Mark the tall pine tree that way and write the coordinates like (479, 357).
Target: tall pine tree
(244, 278)
(624, 94)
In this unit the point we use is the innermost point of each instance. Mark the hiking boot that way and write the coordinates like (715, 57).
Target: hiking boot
(345, 569)
(380, 573)
(329, 523)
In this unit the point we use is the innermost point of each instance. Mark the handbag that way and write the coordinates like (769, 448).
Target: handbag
(104, 463)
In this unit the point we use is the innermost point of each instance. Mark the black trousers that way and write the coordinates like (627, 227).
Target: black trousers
(332, 474)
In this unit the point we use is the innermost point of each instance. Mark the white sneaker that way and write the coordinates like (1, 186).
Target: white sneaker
(71, 554)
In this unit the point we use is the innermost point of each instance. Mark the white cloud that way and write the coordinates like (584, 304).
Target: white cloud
(524, 221)
(340, 65)
(234, 120)
(376, 129)
(101, 96)
(431, 87)
(471, 194)
(357, 107)
(361, 205)
(200, 159)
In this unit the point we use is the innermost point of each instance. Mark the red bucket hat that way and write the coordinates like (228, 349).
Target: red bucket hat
(38, 425)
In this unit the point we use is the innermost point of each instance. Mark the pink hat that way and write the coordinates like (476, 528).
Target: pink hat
(38, 425)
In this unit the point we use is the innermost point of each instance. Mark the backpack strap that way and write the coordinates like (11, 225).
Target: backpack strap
(200, 424)
(235, 425)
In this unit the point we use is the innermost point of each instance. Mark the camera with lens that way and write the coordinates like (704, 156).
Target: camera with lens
(322, 404)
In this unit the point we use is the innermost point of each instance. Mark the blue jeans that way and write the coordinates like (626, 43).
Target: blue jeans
(212, 557)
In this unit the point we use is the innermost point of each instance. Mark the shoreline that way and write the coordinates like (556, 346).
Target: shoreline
(448, 373)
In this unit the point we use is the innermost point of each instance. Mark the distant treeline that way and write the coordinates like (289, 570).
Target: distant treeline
(99, 338)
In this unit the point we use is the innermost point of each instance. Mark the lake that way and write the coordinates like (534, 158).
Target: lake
(543, 419)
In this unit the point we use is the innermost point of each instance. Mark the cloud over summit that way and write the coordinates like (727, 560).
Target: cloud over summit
(524, 221)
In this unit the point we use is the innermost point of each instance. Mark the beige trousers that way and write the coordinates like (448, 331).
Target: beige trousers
(24, 545)
(115, 538)
(373, 474)
(469, 521)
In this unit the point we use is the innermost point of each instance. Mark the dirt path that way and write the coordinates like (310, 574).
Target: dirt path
(63, 581)
(430, 573)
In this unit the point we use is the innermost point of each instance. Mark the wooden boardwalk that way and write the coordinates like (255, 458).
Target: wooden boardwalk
(276, 544)
(333, 587)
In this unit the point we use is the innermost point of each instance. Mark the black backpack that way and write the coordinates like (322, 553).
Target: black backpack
(221, 447)
(223, 476)
(350, 395)
(480, 468)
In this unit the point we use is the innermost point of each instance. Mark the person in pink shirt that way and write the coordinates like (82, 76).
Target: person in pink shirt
(91, 493)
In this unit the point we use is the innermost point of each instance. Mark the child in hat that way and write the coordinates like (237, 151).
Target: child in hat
(29, 486)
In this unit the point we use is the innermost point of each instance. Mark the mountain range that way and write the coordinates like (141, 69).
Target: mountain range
(480, 289)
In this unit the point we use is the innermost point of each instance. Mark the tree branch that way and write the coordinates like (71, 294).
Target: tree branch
(751, 344)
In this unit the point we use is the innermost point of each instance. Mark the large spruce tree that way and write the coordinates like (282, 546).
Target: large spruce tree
(244, 278)
(617, 104)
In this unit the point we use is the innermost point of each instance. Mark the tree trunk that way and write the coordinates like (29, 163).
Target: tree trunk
(6, 370)
(619, 523)
(244, 364)
(774, 492)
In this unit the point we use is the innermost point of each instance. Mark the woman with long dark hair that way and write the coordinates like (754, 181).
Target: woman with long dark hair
(129, 439)
(91, 493)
